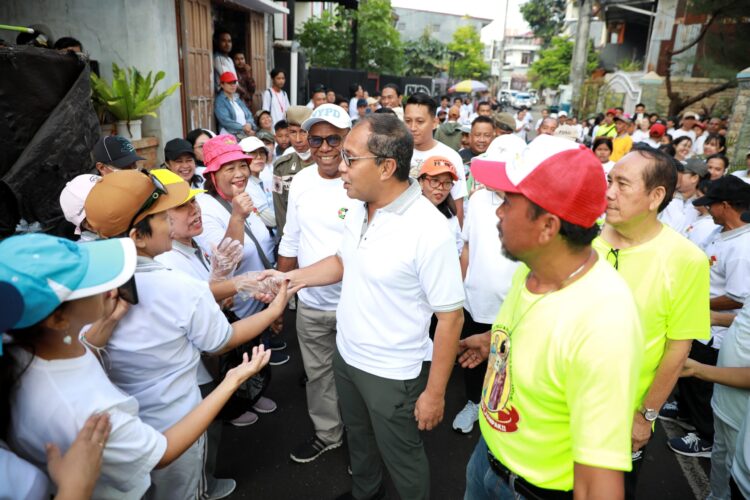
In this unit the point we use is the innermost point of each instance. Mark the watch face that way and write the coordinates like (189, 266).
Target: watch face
(650, 415)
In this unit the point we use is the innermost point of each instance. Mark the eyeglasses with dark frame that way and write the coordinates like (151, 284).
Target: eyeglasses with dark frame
(349, 159)
(436, 184)
(333, 140)
(158, 191)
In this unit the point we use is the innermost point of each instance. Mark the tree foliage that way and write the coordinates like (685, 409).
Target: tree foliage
(552, 69)
(424, 56)
(471, 63)
(545, 17)
(379, 46)
(327, 39)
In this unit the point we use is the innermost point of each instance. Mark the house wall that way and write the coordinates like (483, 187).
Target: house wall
(139, 33)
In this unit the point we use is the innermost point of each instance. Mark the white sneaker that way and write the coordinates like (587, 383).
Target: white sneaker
(464, 421)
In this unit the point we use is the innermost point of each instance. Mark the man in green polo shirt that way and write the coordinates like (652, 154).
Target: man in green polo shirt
(667, 274)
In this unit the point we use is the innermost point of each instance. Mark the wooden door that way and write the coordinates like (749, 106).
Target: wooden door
(256, 49)
(197, 55)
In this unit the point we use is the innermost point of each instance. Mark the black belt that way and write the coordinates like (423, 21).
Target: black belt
(525, 488)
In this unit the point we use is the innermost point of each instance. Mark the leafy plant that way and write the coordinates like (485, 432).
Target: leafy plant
(471, 64)
(552, 69)
(630, 65)
(327, 39)
(130, 95)
(545, 17)
(424, 56)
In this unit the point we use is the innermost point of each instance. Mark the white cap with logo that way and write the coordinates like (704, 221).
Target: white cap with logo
(329, 113)
(73, 197)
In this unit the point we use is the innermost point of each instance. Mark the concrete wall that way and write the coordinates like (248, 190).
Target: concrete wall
(139, 33)
(412, 23)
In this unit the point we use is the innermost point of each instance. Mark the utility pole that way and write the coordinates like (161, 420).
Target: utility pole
(502, 45)
(580, 53)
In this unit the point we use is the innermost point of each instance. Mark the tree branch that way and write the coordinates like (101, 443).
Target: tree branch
(700, 36)
(708, 92)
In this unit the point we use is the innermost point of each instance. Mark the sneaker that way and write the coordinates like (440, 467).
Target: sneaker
(247, 418)
(264, 405)
(222, 489)
(276, 343)
(278, 358)
(691, 445)
(464, 421)
(670, 413)
(312, 449)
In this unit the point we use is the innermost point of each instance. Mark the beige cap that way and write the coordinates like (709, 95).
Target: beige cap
(296, 115)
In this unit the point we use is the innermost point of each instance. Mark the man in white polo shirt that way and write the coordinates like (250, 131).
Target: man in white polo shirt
(401, 267)
(419, 117)
(316, 211)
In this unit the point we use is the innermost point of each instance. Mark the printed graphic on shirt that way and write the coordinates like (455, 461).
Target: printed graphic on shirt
(342, 212)
(281, 184)
(497, 387)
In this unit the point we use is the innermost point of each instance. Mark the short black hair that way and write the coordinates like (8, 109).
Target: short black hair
(483, 103)
(66, 42)
(483, 119)
(640, 104)
(392, 86)
(389, 138)
(340, 98)
(602, 140)
(575, 236)
(385, 111)
(661, 171)
(353, 89)
(143, 228)
(703, 184)
(618, 108)
(280, 125)
(721, 157)
(276, 71)
(422, 99)
(318, 87)
(444, 97)
(193, 135)
(718, 138)
(682, 138)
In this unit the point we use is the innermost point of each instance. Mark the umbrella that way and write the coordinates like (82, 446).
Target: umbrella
(468, 86)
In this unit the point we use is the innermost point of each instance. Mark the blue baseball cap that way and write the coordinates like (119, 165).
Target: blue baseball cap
(48, 270)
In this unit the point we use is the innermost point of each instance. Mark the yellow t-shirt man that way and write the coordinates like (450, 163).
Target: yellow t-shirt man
(561, 378)
(668, 276)
(621, 145)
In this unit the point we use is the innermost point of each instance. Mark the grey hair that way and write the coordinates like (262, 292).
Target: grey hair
(390, 138)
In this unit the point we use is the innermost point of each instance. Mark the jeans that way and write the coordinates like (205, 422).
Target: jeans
(482, 482)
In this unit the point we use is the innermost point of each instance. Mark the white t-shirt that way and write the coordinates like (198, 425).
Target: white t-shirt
(266, 177)
(489, 275)
(215, 222)
(456, 231)
(703, 231)
(314, 227)
(729, 256)
(51, 405)
(640, 136)
(398, 270)
(698, 144)
(155, 350)
(186, 259)
(651, 142)
(459, 189)
(608, 167)
(729, 403)
(741, 464)
(20, 479)
(679, 214)
(742, 174)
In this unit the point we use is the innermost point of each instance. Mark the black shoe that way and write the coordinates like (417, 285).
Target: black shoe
(312, 449)
(379, 495)
(278, 358)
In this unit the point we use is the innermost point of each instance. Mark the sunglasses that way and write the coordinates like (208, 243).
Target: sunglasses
(158, 191)
(315, 141)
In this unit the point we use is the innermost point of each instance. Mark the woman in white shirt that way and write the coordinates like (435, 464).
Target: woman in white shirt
(55, 374)
(602, 148)
(275, 100)
(436, 177)
(256, 188)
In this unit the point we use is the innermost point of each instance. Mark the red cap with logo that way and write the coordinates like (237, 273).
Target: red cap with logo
(562, 177)
(657, 130)
(228, 77)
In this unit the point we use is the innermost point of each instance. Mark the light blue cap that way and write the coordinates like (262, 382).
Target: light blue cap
(48, 270)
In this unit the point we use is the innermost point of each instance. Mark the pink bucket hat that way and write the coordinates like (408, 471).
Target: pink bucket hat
(220, 150)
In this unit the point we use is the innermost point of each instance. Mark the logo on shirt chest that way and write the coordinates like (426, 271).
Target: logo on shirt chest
(712, 260)
(342, 212)
(497, 387)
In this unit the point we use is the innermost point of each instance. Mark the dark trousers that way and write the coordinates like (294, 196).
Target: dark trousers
(631, 478)
(694, 400)
(474, 377)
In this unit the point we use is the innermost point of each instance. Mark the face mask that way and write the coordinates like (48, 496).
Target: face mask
(305, 156)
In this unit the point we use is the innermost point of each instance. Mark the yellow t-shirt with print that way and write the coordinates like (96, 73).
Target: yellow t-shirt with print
(561, 378)
(668, 276)
(620, 147)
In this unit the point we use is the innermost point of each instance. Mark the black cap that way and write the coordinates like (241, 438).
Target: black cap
(115, 150)
(361, 103)
(728, 188)
(174, 148)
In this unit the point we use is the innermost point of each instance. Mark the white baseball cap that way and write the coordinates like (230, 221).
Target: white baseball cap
(73, 198)
(329, 113)
(250, 144)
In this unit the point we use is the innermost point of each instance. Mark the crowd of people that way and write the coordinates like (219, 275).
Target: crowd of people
(588, 281)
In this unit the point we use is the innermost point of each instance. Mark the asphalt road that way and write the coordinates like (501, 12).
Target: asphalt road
(258, 456)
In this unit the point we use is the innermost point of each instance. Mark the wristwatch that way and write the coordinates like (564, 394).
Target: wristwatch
(649, 414)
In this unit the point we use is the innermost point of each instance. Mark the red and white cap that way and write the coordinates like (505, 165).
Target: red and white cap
(562, 177)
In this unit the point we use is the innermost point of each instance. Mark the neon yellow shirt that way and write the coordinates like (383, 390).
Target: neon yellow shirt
(620, 147)
(668, 276)
(561, 378)
(605, 130)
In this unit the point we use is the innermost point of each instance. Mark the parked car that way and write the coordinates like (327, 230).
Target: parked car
(522, 99)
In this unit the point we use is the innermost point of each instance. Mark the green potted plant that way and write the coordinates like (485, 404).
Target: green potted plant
(130, 98)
